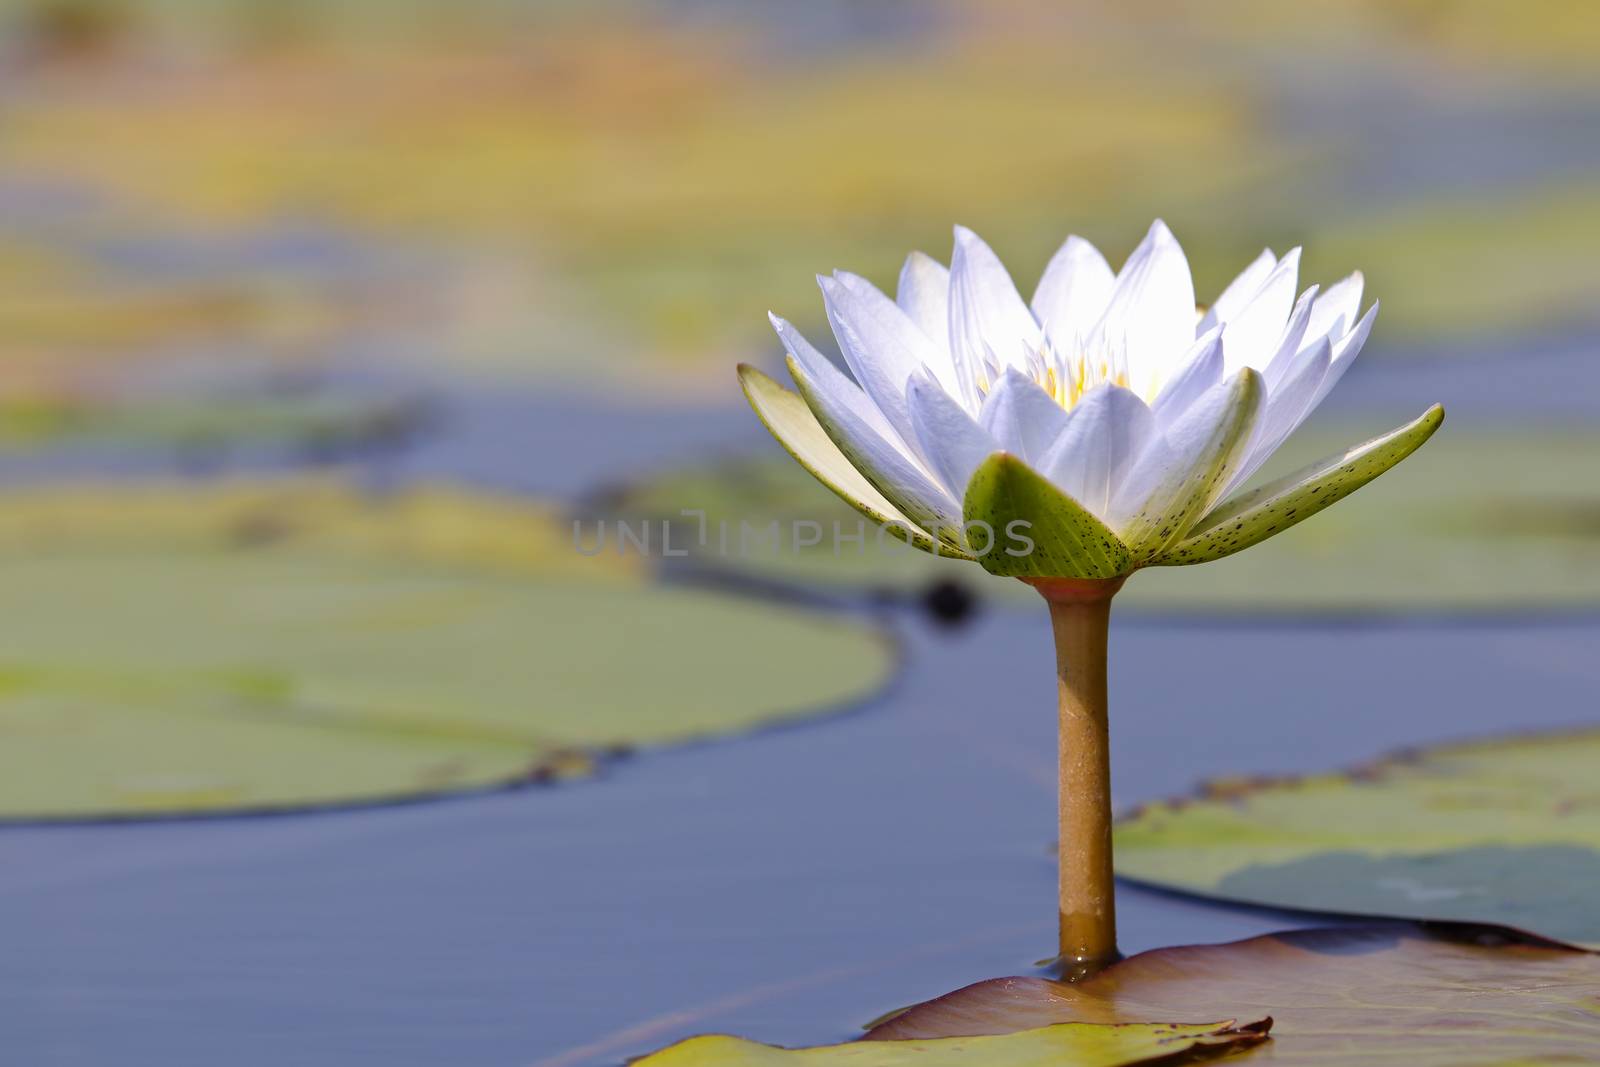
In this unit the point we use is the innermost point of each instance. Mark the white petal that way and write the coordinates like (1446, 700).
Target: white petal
(953, 442)
(1198, 371)
(1293, 341)
(883, 347)
(1022, 416)
(924, 295)
(1345, 352)
(881, 460)
(1335, 310)
(1186, 466)
(988, 320)
(1286, 408)
(827, 376)
(1151, 312)
(792, 422)
(1309, 379)
(1073, 293)
(1106, 432)
(1239, 291)
(1250, 337)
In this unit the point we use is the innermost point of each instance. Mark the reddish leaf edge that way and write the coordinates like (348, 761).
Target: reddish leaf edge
(1326, 938)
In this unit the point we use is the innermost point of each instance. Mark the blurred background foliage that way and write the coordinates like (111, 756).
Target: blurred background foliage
(508, 244)
(321, 320)
(609, 194)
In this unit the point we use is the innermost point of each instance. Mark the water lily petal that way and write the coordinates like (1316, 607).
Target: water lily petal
(989, 323)
(924, 295)
(1292, 344)
(882, 346)
(1186, 466)
(1345, 352)
(1021, 416)
(1198, 371)
(1150, 317)
(1106, 433)
(1239, 291)
(953, 441)
(1285, 409)
(1250, 337)
(1336, 309)
(1073, 292)
(1038, 531)
(900, 478)
(1253, 517)
(789, 420)
(821, 368)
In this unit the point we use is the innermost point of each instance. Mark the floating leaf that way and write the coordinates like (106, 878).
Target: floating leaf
(282, 645)
(1480, 522)
(321, 423)
(1402, 994)
(1064, 1044)
(1502, 832)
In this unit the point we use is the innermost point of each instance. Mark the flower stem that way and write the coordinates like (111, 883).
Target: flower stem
(1080, 616)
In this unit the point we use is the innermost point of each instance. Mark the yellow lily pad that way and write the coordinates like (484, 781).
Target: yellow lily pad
(280, 645)
(1063, 1044)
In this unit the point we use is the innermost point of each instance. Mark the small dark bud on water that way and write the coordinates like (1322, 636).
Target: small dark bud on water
(949, 603)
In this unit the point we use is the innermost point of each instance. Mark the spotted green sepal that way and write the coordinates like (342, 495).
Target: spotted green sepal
(907, 489)
(788, 418)
(1061, 538)
(1253, 517)
(1198, 480)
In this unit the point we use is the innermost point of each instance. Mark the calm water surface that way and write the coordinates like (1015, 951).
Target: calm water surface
(788, 886)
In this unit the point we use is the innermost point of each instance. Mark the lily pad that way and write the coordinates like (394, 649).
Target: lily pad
(321, 426)
(1449, 996)
(1477, 523)
(281, 645)
(1073, 1044)
(1503, 831)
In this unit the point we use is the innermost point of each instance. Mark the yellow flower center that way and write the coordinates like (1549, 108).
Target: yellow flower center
(1065, 378)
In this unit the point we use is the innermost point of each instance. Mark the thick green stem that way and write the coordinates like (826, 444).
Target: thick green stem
(1080, 615)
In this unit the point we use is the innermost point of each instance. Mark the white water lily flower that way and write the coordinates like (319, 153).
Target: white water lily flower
(1109, 414)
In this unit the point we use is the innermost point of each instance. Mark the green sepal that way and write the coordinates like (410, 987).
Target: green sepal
(1197, 486)
(788, 418)
(1068, 541)
(1252, 517)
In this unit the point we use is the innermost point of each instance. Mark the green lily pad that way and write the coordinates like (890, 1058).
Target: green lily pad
(327, 423)
(283, 645)
(1066, 1044)
(1474, 522)
(1456, 996)
(1505, 832)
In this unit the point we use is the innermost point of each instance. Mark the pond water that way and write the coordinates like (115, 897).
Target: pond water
(793, 884)
(789, 885)
(524, 440)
